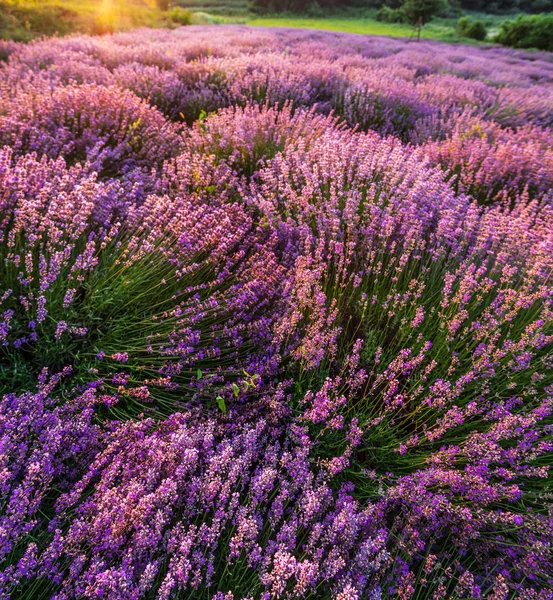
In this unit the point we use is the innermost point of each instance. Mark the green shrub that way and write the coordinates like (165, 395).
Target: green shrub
(391, 15)
(476, 30)
(534, 31)
(422, 10)
(22, 22)
(180, 16)
(298, 6)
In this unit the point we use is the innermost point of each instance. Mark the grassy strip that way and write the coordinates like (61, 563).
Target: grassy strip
(439, 29)
(363, 26)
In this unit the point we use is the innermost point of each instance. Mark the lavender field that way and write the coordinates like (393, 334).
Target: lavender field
(276, 318)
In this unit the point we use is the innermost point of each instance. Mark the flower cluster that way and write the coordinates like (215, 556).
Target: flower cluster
(275, 328)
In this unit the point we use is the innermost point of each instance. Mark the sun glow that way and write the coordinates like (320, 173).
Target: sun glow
(106, 7)
(106, 17)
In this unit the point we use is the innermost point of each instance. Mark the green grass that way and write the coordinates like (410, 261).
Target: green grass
(439, 29)
(364, 26)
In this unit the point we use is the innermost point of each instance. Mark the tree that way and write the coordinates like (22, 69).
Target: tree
(419, 12)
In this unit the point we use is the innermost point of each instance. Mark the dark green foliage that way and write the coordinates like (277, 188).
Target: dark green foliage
(475, 30)
(422, 10)
(534, 31)
(498, 6)
(391, 15)
(280, 5)
(180, 16)
(455, 6)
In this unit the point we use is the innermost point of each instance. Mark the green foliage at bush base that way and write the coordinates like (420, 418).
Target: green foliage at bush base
(262, 6)
(422, 10)
(475, 30)
(391, 15)
(534, 31)
(180, 16)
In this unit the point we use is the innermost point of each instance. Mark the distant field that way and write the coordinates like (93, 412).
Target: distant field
(365, 23)
(352, 21)
(364, 26)
(24, 20)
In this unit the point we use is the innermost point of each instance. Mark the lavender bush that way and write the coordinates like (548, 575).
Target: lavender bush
(276, 318)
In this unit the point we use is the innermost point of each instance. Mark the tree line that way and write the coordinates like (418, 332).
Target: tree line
(490, 6)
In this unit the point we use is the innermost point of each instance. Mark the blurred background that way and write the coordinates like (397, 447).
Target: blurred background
(516, 23)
